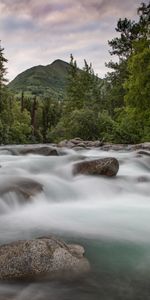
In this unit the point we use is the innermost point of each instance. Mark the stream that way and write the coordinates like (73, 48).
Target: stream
(110, 217)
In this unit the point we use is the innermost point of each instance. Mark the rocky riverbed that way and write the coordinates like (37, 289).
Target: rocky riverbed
(75, 221)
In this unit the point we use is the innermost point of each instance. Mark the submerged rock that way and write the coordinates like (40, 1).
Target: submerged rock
(46, 256)
(46, 151)
(39, 150)
(143, 179)
(25, 186)
(142, 152)
(105, 166)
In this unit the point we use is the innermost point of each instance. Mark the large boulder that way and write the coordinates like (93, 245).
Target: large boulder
(46, 256)
(105, 166)
(26, 187)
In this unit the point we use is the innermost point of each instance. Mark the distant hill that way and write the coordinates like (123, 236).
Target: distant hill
(42, 80)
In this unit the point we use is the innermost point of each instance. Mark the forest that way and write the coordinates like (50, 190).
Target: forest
(115, 109)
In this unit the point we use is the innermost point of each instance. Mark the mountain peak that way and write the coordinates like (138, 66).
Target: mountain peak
(58, 61)
(42, 80)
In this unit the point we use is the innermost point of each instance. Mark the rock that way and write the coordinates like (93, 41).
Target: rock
(97, 143)
(46, 151)
(62, 144)
(77, 250)
(76, 141)
(46, 256)
(142, 152)
(105, 166)
(93, 144)
(70, 144)
(78, 148)
(24, 186)
(40, 150)
(82, 145)
(144, 146)
(66, 144)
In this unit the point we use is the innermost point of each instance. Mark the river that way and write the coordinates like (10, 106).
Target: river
(110, 217)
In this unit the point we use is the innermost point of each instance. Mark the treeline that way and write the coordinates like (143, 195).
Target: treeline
(115, 109)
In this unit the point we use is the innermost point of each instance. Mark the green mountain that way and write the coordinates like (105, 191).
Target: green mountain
(42, 80)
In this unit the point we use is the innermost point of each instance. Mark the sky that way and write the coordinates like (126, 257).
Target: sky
(37, 32)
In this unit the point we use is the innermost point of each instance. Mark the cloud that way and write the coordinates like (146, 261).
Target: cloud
(37, 32)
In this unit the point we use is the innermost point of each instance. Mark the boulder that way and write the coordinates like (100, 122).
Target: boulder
(40, 150)
(105, 166)
(44, 150)
(42, 257)
(25, 186)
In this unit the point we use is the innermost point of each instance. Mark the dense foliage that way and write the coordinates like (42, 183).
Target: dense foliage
(115, 109)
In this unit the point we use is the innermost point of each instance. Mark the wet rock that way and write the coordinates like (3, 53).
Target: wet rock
(24, 186)
(40, 150)
(97, 143)
(66, 144)
(143, 146)
(76, 141)
(46, 151)
(142, 152)
(46, 256)
(105, 166)
(82, 145)
(76, 250)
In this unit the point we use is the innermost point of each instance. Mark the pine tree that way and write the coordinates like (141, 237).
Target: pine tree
(3, 72)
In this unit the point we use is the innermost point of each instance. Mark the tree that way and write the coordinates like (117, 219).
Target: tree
(122, 46)
(83, 124)
(138, 83)
(83, 88)
(51, 112)
(132, 35)
(3, 60)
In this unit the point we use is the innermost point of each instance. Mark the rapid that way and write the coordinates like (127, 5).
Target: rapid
(110, 217)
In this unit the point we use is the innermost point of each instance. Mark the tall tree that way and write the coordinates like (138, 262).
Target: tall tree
(83, 88)
(123, 47)
(3, 60)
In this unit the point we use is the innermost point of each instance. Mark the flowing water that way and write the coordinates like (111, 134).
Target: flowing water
(110, 217)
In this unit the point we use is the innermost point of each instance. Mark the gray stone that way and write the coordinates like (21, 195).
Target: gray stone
(39, 150)
(76, 141)
(46, 256)
(62, 143)
(44, 150)
(25, 186)
(105, 166)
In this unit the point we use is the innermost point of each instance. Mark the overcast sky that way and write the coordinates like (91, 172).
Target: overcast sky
(36, 32)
